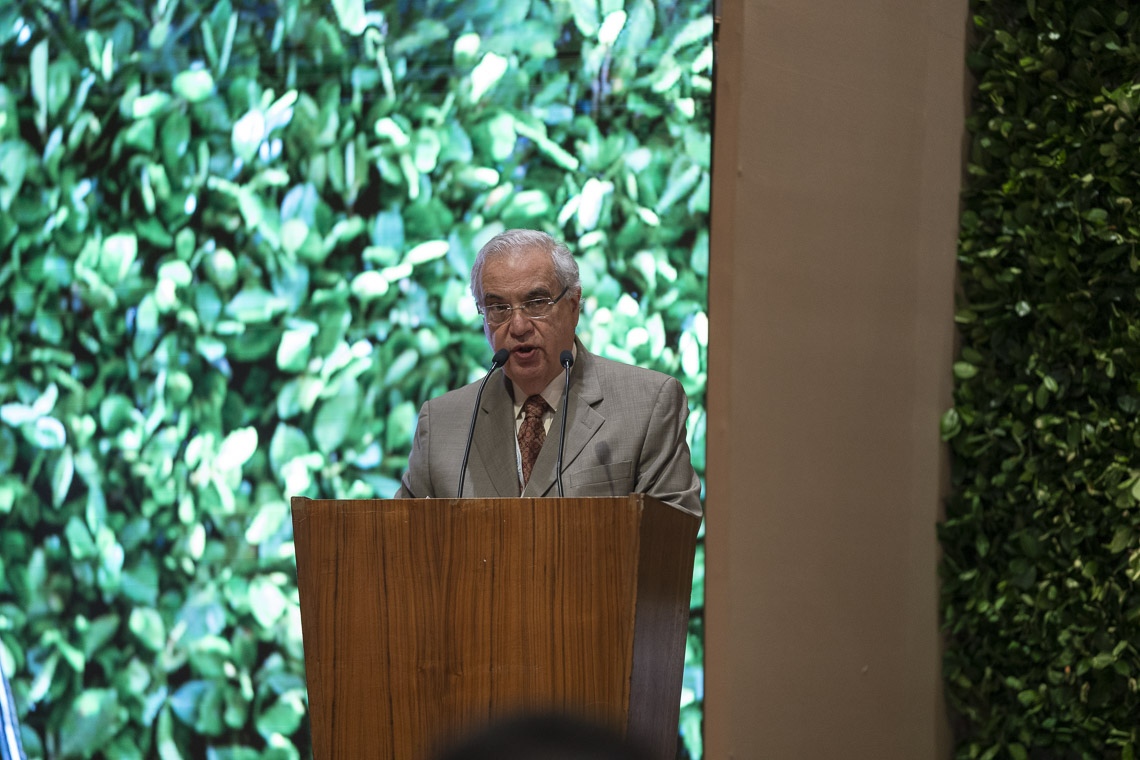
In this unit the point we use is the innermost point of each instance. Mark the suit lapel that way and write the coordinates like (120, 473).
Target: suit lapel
(494, 444)
(582, 422)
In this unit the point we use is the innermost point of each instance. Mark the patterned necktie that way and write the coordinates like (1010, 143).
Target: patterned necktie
(532, 433)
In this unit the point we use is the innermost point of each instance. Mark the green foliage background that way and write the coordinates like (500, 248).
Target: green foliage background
(1041, 591)
(237, 237)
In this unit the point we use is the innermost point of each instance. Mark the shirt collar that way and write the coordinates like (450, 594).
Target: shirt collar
(552, 392)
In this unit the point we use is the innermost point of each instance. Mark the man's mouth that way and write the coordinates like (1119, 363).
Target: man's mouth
(524, 352)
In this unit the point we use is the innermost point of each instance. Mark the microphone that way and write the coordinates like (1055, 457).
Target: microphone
(498, 360)
(566, 358)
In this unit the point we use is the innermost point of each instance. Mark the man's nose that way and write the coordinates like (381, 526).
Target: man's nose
(519, 323)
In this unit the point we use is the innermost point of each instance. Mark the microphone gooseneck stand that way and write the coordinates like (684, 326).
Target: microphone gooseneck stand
(498, 360)
(567, 360)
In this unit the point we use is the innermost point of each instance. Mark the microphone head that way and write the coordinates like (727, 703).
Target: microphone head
(567, 358)
(500, 358)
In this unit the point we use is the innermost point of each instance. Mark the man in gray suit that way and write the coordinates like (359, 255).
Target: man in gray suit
(625, 427)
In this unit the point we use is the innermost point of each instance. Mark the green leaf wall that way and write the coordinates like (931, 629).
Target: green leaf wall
(237, 237)
(1041, 575)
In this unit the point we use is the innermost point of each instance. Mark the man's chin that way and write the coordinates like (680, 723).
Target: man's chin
(527, 379)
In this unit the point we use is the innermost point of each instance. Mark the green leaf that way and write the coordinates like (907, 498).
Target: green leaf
(18, 415)
(79, 539)
(950, 424)
(284, 716)
(177, 272)
(39, 77)
(585, 16)
(293, 235)
(237, 448)
(116, 256)
(427, 149)
(270, 517)
(552, 150)
(43, 678)
(527, 205)
(112, 556)
(15, 160)
(10, 488)
(399, 368)
(267, 602)
(501, 129)
(247, 135)
(210, 655)
(254, 306)
(294, 351)
(287, 444)
(428, 251)
(700, 29)
(94, 719)
(465, 49)
(639, 27)
(146, 624)
(389, 129)
(1122, 539)
(1028, 697)
(186, 702)
(591, 198)
(351, 15)
(680, 183)
(964, 370)
(335, 417)
(195, 85)
(140, 581)
(221, 268)
(401, 424)
(150, 105)
(369, 285)
(61, 477)
(167, 746)
(486, 75)
(1103, 660)
(99, 632)
(611, 27)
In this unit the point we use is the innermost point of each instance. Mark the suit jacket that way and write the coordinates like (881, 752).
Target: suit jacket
(625, 433)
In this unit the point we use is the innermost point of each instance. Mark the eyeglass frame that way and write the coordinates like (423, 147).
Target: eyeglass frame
(509, 309)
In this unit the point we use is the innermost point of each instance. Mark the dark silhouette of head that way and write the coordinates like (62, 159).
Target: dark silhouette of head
(544, 737)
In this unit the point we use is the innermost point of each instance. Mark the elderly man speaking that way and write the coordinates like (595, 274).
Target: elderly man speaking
(625, 426)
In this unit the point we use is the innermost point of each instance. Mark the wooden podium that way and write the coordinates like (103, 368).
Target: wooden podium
(423, 619)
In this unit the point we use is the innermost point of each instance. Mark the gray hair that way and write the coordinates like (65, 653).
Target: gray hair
(512, 242)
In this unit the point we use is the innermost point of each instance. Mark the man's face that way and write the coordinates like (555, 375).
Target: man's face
(535, 344)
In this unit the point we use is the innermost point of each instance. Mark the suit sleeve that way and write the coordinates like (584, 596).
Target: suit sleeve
(666, 471)
(416, 483)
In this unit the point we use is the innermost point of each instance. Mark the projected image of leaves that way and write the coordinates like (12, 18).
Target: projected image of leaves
(237, 239)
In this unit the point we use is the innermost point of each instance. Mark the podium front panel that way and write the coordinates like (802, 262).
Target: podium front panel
(425, 619)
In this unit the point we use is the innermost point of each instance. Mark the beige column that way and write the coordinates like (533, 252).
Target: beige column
(837, 164)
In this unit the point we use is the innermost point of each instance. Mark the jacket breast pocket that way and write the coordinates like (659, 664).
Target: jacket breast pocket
(613, 479)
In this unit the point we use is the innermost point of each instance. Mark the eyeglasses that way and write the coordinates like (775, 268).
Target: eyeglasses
(500, 313)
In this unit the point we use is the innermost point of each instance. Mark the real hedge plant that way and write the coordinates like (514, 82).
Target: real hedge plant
(1041, 572)
(236, 240)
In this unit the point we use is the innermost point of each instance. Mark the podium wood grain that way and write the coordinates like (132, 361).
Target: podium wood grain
(424, 619)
